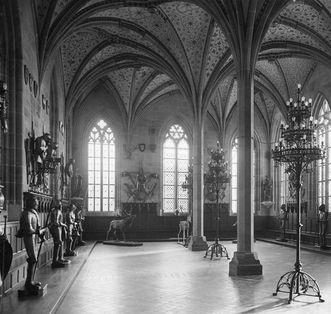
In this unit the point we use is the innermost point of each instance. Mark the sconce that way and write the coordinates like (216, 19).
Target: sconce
(3, 106)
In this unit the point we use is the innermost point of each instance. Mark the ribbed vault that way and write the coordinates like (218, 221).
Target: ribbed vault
(147, 49)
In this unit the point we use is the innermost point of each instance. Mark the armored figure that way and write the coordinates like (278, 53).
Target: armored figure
(323, 226)
(71, 231)
(79, 221)
(29, 228)
(56, 227)
(283, 216)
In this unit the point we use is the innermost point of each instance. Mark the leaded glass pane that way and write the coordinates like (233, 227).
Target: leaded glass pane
(91, 163)
(181, 193)
(105, 164)
(97, 164)
(234, 194)
(97, 204)
(112, 164)
(111, 177)
(181, 178)
(234, 206)
(90, 148)
(91, 177)
(91, 191)
(169, 178)
(183, 204)
(97, 191)
(183, 145)
(111, 191)
(111, 150)
(168, 191)
(111, 204)
(169, 153)
(234, 170)
(169, 165)
(183, 154)
(97, 147)
(168, 205)
(183, 165)
(105, 191)
(105, 178)
(105, 204)
(169, 143)
(91, 204)
(97, 178)
(105, 151)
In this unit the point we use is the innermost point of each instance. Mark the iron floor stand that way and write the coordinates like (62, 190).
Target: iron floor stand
(217, 249)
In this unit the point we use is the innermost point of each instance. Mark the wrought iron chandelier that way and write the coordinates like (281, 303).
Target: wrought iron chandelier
(298, 148)
(298, 143)
(216, 178)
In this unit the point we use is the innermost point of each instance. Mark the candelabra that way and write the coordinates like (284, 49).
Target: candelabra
(297, 148)
(216, 178)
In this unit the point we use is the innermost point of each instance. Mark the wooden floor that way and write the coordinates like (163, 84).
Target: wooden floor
(168, 278)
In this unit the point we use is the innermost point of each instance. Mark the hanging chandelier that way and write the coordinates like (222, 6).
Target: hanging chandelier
(298, 142)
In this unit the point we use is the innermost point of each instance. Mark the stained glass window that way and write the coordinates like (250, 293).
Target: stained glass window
(101, 168)
(175, 168)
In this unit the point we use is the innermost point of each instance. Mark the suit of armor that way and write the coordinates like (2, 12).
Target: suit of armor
(29, 228)
(79, 220)
(55, 227)
(71, 231)
(323, 225)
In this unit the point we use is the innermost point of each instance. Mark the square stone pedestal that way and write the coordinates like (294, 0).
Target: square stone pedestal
(198, 243)
(245, 264)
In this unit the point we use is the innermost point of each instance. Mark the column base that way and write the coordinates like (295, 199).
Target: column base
(245, 264)
(198, 243)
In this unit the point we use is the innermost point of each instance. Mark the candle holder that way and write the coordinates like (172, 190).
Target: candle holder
(297, 149)
(216, 178)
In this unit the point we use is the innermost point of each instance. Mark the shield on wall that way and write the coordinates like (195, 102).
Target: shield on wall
(141, 147)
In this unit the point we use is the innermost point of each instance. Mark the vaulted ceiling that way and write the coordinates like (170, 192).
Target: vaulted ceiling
(146, 49)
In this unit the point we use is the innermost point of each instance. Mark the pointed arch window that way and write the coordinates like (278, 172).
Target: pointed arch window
(324, 166)
(175, 168)
(101, 168)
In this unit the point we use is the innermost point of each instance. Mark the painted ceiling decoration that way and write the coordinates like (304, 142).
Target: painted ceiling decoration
(150, 49)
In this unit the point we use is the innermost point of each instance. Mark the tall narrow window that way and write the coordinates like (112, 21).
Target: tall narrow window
(234, 176)
(175, 168)
(324, 166)
(101, 168)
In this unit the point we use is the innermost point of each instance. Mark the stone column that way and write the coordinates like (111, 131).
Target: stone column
(198, 240)
(244, 261)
